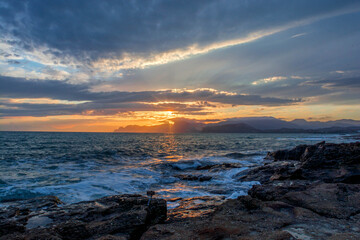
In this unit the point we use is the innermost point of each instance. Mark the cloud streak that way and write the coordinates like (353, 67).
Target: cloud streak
(181, 100)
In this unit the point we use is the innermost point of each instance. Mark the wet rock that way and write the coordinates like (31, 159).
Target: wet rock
(237, 155)
(33, 204)
(195, 207)
(220, 167)
(271, 171)
(189, 177)
(114, 217)
(292, 154)
(327, 162)
(321, 154)
(38, 221)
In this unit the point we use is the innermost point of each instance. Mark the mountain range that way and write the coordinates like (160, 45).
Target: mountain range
(248, 125)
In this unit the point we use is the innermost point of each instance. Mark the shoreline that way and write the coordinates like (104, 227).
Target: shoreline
(308, 192)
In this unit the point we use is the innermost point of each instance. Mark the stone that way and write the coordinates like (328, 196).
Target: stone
(188, 177)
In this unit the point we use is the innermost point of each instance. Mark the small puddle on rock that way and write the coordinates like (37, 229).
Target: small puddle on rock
(38, 221)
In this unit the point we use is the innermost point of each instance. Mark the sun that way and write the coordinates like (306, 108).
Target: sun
(169, 114)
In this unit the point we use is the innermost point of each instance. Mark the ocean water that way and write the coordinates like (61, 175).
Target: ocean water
(85, 166)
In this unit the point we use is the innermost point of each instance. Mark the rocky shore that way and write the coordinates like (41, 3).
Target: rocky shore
(309, 192)
(114, 217)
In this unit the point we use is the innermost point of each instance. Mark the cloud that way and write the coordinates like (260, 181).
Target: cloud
(276, 79)
(349, 81)
(269, 80)
(12, 87)
(181, 100)
(136, 34)
(344, 83)
(298, 35)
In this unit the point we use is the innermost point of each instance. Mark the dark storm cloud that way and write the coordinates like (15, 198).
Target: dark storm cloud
(117, 101)
(92, 29)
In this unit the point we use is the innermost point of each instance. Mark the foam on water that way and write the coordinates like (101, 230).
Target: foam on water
(77, 166)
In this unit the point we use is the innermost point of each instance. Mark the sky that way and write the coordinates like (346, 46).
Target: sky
(95, 66)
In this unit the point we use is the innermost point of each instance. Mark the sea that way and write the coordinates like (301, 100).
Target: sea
(84, 166)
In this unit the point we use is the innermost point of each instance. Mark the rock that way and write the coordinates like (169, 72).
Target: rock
(10, 226)
(195, 207)
(219, 167)
(251, 218)
(236, 155)
(234, 219)
(330, 200)
(328, 155)
(189, 177)
(272, 192)
(33, 204)
(321, 154)
(293, 154)
(126, 216)
(38, 221)
(327, 162)
(272, 171)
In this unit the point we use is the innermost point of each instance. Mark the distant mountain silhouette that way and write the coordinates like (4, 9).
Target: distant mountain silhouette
(248, 125)
(263, 123)
(176, 125)
(230, 128)
(301, 123)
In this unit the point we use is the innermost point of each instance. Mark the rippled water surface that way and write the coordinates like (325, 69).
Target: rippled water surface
(85, 166)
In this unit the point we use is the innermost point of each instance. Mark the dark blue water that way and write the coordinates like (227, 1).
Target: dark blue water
(84, 166)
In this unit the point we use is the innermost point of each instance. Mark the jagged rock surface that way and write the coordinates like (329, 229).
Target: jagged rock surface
(327, 162)
(114, 217)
